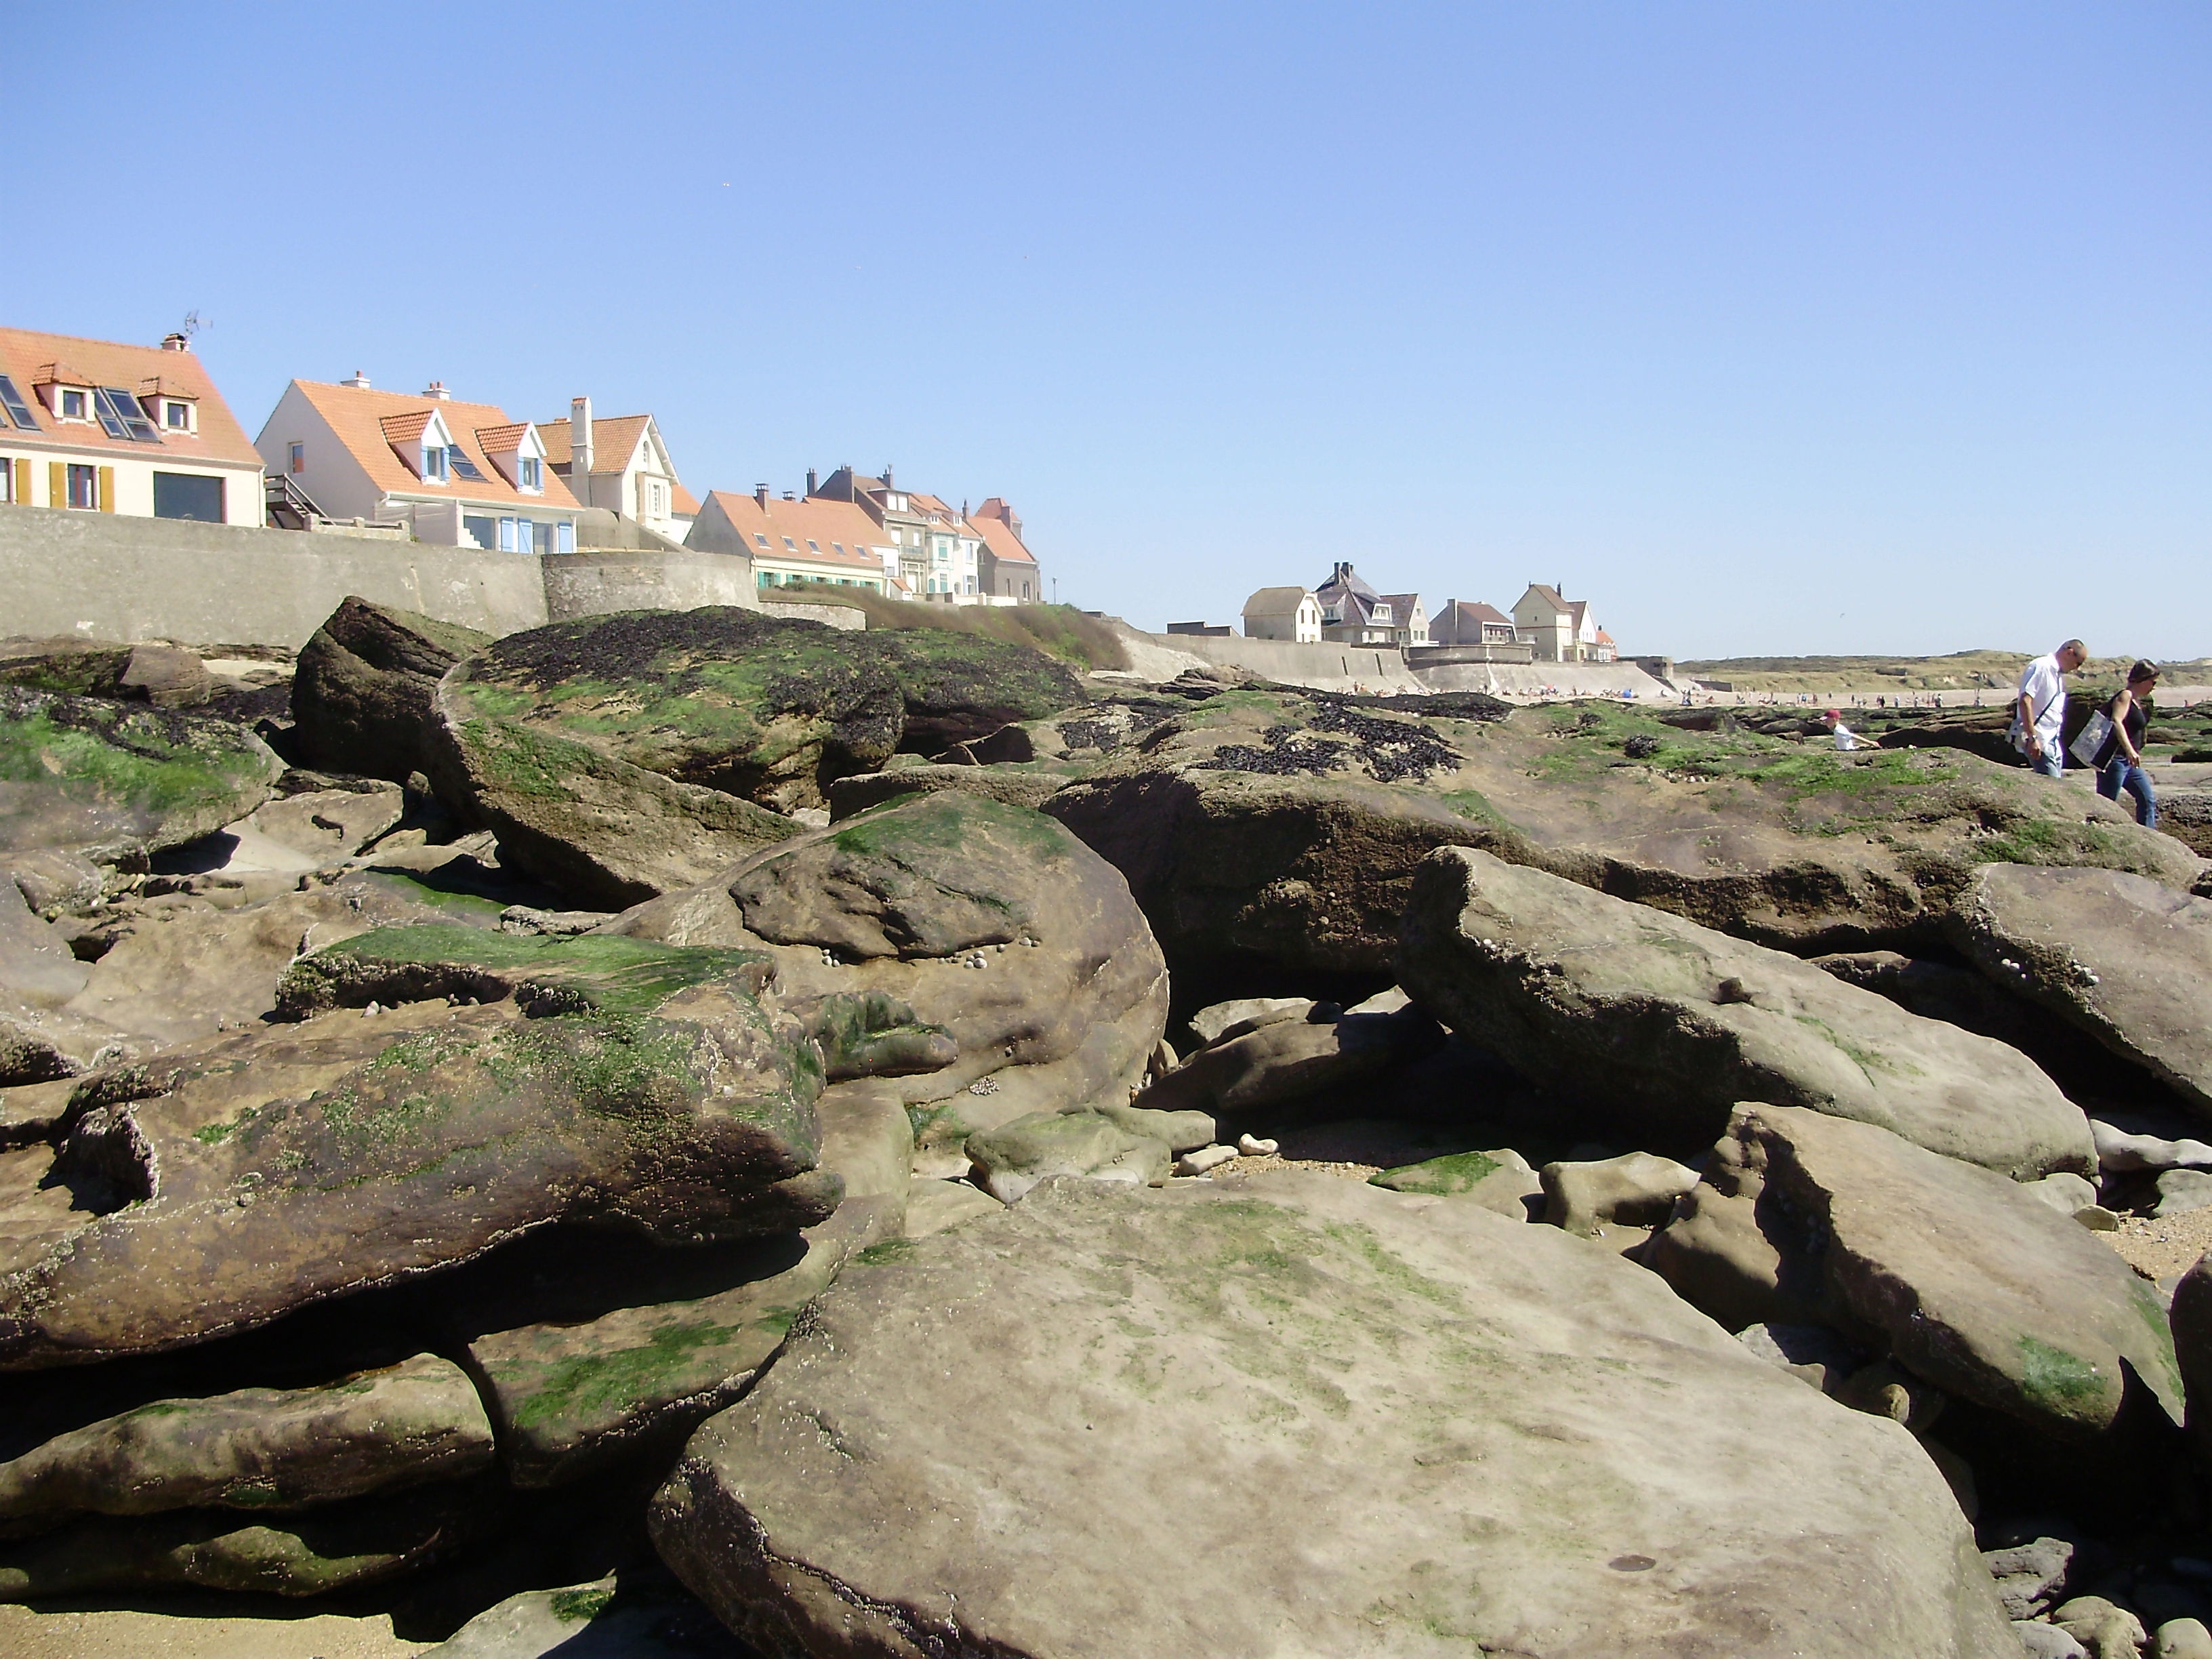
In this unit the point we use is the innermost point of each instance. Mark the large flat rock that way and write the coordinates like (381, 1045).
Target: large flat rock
(2127, 960)
(1302, 1415)
(1972, 1281)
(1630, 1004)
(363, 688)
(605, 1082)
(1283, 828)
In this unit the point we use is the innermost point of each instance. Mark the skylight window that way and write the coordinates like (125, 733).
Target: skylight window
(463, 467)
(790, 544)
(120, 417)
(813, 546)
(759, 537)
(12, 401)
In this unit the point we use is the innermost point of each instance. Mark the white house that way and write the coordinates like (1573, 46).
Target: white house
(1283, 613)
(102, 427)
(1558, 629)
(814, 540)
(461, 474)
(619, 462)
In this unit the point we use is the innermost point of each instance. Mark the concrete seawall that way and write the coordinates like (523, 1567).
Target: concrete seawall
(1363, 668)
(101, 577)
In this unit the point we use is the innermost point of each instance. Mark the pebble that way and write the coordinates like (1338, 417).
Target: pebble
(2105, 1628)
(2045, 1641)
(2097, 1219)
(2184, 1638)
(1253, 1147)
(1204, 1159)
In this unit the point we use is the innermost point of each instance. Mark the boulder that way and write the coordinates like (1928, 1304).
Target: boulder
(329, 825)
(320, 1552)
(2182, 1638)
(1281, 829)
(848, 796)
(184, 969)
(932, 1205)
(2191, 1314)
(1289, 1060)
(1064, 1015)
(1500, 1180)
(414, 1424)
(1967, 1279)
(2029, 1575)
(2119, 1152)
(2180, 1191)
(633, 1357)
(1675, 1023)
(363, 687)
(767, 709)
(1011, 1159)
(606, 832)
(167, 676)
(114, 782)
(1380, 1423)
(593, 1081)
(614, 1618)
(2124, 958)
(1224, 1021)
(36, 964)
(1637, 1189)
(2105, 1629)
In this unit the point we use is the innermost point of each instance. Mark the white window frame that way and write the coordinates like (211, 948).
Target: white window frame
(529, 474)
(83, 395)
(171, 407)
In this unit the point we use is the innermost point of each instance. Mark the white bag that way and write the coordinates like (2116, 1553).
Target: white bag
(2093, 737)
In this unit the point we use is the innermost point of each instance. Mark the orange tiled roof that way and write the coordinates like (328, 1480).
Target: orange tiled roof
(684, 503)
(359, 415)
(1005, 546)
(501, 439)
(829, 525)
(614, 440)
(24, 355)
(405, 428)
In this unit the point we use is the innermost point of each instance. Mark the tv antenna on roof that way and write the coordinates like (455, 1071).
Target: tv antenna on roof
(193, 323)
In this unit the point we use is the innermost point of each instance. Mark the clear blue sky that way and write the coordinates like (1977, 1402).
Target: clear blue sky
(1769, 328)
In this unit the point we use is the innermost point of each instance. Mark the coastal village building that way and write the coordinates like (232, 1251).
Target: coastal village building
(1464, 622)
(102, 427)
(814, 540)
(903, 528)
(460, 475)
(954, 547)
(1283, 613)
(1007, 567)
(1353, 613)
(625, 467)
(1558, 629)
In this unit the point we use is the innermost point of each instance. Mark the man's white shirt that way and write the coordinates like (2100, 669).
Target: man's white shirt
(2043, 682)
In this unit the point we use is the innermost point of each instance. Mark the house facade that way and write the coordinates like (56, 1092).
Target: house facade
(1470, 622)
(1007, 568)
(789, 540)
(1283, 613)
(1353, 613)
(902, 529)
(98, 426)
(619, 462)
(458, 474)
(1558, 629)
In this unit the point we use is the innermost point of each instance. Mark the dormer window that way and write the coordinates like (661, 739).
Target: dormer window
(75, 405)
(527, 475)
(178, 414)
(434, 463)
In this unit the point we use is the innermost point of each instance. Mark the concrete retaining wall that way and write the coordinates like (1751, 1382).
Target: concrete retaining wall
(1322, 667)
(100, 575)
(1532, 681)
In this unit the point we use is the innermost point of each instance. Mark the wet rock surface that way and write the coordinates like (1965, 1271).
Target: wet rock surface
(1221, 1354)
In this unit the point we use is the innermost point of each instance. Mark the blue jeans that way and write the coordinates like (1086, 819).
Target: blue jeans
(2049, 763)
(2120, 773)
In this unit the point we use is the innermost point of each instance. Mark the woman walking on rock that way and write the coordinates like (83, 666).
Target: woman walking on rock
(2119, 758)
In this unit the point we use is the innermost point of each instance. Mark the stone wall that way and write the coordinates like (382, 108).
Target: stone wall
(101, 576)
(1322, 667)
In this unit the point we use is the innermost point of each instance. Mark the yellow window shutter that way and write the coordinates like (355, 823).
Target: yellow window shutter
(108, 489)
(56, 484)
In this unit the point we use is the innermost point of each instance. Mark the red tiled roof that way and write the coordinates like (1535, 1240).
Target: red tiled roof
(359, 416)
(682, 502)
(827, 524)
(24, 355)
(614, 440)
(501, 439)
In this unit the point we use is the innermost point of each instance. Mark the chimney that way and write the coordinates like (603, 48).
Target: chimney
(175, 342)
(359, 383)
(811, 485)
(888, 485)
(437, 389)
(787, 496)
(579, 449)
(760, 494)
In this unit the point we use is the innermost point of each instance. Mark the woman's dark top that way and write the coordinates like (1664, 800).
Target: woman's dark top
(2134, 723)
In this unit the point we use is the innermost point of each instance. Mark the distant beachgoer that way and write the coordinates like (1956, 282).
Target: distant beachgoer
(1846, 740)
(2039, 710)
(2119, 758)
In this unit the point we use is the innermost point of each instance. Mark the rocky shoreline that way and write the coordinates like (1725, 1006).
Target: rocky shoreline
(708, 1134)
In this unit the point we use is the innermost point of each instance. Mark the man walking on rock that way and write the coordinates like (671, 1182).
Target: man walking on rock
(2040, 709)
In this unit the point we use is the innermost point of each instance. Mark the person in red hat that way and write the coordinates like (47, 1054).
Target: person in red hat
(1846, 740)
